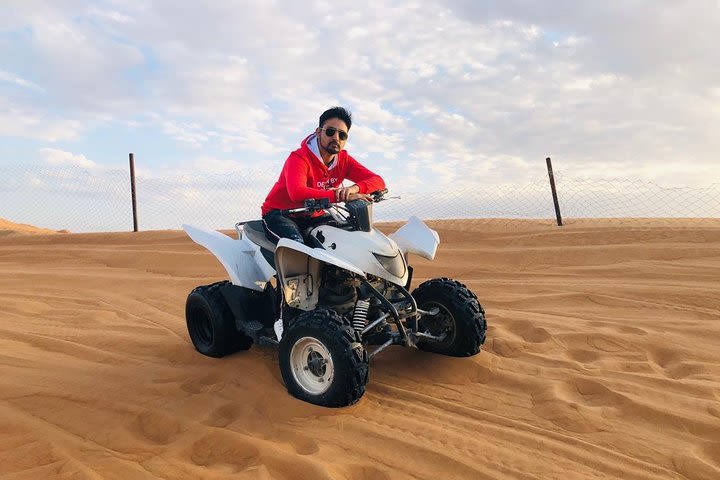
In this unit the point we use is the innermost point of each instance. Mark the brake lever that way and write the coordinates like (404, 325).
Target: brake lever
(386, 198)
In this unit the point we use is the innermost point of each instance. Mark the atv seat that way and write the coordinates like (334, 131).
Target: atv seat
(255, 232)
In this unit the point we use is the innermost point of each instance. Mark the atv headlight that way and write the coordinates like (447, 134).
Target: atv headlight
(395, 265)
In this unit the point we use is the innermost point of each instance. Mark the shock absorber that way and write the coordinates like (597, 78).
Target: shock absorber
(360, 313)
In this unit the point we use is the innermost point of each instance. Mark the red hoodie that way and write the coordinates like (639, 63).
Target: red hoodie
(305, 176)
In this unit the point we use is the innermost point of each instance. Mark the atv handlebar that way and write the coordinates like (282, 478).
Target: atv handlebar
(318, 204)
(310, 205)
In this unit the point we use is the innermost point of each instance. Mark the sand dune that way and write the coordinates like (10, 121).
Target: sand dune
(602, 361)
(8, 228)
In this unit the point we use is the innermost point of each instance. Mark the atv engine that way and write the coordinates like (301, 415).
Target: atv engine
(338, 290)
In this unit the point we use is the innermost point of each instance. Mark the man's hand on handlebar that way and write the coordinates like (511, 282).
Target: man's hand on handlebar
(359, 196)
(347, 194)
(342, 193)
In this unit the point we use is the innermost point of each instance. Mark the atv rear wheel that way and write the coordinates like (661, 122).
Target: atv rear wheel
(210, 322)
(460, 321)
(322, 360)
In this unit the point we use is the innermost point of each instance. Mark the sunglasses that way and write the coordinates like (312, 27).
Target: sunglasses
(330, 132)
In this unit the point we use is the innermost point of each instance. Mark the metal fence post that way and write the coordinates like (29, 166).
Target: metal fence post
(554, 192)
(132, 190)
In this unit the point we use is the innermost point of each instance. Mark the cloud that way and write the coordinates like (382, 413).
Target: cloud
(110, 15)
(12, 78)
(57, 157)
(456, 92)
(36, 123)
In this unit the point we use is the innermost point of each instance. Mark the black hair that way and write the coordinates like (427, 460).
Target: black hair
(336, 112)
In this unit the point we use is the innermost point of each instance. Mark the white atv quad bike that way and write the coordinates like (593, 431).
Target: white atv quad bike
(338, 300)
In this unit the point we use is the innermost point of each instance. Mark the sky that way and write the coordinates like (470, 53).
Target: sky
(444, 94)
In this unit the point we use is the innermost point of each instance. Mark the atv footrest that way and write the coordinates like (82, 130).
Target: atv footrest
(252, 326)
(267, 342)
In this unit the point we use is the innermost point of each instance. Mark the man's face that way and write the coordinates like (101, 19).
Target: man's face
(332, 144)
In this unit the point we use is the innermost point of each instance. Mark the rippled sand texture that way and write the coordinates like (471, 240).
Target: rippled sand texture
(602, 361)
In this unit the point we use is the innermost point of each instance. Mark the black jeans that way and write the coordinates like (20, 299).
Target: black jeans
(279, 226)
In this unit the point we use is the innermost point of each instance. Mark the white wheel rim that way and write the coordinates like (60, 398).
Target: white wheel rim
(312, 365)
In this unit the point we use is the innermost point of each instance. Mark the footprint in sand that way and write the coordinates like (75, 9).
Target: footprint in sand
(697, 464)
(685, 369)
(579, 405)
(606, 343)
(632, 330)
(304, 445)
(227, 414)
(671, 363)
(592, 393)
(636, 367)
(710, 452)
(505, 348)
(156, 427)
(206, 383)
(224, 451)
(224, 415)
(570, 416)
(583, 355)
(529, 332)
(365, 472)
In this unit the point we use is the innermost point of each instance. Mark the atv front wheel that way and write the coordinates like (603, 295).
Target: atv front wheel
(211, 324)
(459, 325)
(322, 360)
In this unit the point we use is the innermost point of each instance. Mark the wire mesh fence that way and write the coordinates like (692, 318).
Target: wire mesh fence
(627, 198)
(82, 200)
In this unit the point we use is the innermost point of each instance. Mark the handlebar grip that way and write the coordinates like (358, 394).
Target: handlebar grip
(378, 194)
(317, 203)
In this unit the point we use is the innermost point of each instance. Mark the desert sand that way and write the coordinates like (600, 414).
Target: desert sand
(602, 361)
(11, 228)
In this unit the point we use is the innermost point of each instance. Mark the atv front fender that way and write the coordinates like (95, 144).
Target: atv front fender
(416, 237)
(298, 268)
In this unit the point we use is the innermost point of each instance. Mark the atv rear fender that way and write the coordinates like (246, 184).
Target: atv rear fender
(241, 258)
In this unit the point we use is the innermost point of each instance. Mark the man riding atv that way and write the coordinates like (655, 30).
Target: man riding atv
(317, 280)
(316, 170)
